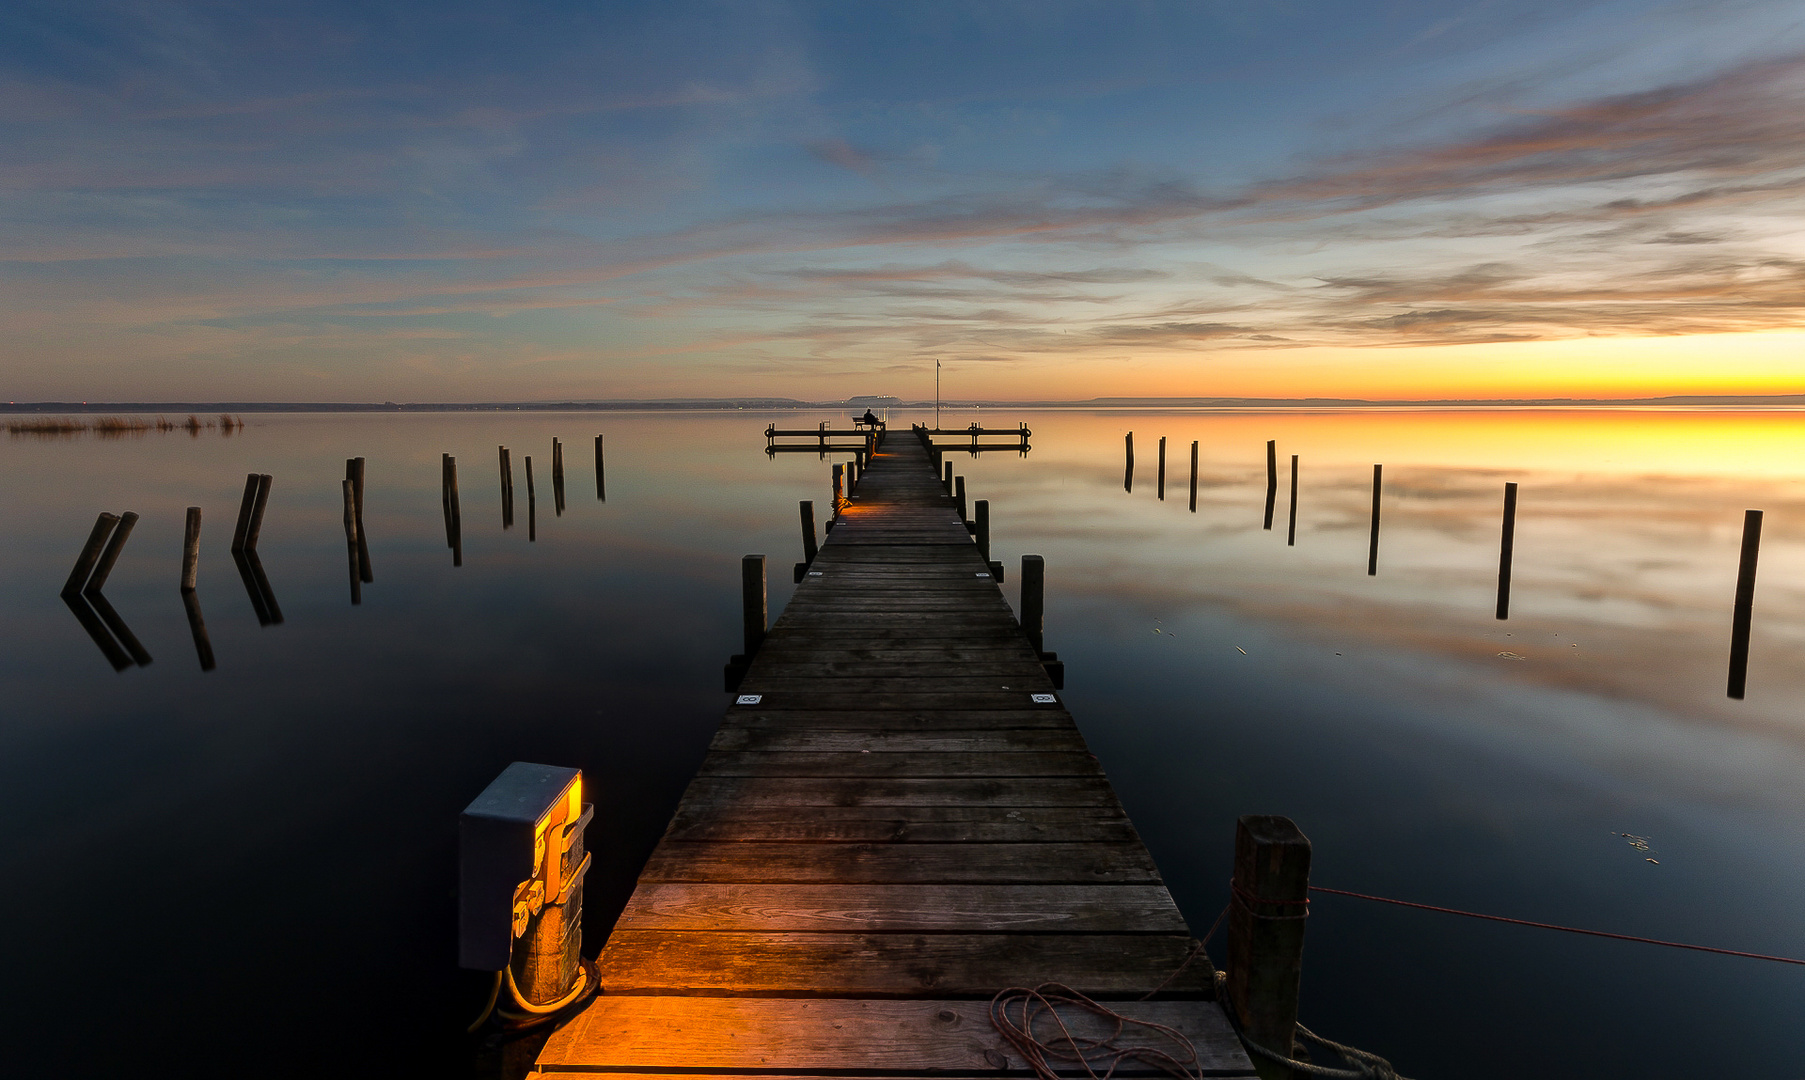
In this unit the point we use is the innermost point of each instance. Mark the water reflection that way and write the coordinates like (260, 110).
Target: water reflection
(257, 587)
(133, 647)
(197, 626)
(97, 631)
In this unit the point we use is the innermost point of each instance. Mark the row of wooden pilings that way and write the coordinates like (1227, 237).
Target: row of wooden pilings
(1742, 617)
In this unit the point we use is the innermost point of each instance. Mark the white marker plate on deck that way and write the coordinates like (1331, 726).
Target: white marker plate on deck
(750, 699)
(814, 573)
(983, 575)
(1044, 699)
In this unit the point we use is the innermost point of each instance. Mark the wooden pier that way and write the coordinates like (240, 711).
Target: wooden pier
(897, 820)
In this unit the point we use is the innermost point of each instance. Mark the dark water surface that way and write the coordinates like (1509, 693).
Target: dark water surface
(251, 870)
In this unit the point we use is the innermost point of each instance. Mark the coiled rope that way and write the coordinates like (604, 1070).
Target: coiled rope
(1015, 1012)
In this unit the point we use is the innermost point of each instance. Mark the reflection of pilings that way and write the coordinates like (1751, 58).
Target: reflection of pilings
(1193, 476)
(601, 489)
(203, 646)
(454, 521)
(1745, 603)
(1506, 547)
(1272, 478)
(97, 630)
(532, 503)
(354, 472)
(115, 544)
(1128, 473)
(507, 490)
(357, 596)
(191, 549)
(1161, 484)
(257, 587)
(118, 627)
(90, 552)
(1291, 533)
(1372, 552)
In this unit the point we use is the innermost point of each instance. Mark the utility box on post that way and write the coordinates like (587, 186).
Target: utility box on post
(521, 861)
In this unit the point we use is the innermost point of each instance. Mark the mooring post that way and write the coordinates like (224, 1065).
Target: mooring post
(982, 509)
(1372, 551)
(1291, 533)
(1506, 547)
(264, 482)
(244, 512)
(191, 550)
(752, 601)
(115, 544)
(1034, 600)
(839, 488)
(1193, 476)
(1272, 478)
(1269, 906)
(601, 490)
(1161, 482)
(959, 496)
(948, 479)
(809, 548)
(351, 542)
(1128, 475)
(1745, 603)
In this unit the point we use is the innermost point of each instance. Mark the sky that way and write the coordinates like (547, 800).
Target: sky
(466, 202)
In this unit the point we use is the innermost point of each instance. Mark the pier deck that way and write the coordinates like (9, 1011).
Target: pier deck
(894, 832)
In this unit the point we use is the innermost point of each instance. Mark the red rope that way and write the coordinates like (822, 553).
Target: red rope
(1552, 926)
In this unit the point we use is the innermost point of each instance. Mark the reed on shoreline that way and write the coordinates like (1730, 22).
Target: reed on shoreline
(118, 427)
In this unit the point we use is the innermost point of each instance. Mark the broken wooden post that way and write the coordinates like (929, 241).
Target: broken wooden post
(1506, 547)
(1269, 905)
(1372, 551)
(1160, 484)
(1745, 603)
(351, 543)
(1193, 476)
(90, 551)
(115, 544)
(752, 602)
(1034, 599)
(191, 550)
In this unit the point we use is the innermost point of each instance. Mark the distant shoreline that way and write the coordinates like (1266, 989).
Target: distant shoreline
(791, 404)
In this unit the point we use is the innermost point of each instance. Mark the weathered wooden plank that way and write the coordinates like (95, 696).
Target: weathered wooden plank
(1038, 717)
(902, 864)
(1115, 909)
(898, 965)
(835, 1037)
(733, 737)
(909, 825)
(733, 794)
(867, 763)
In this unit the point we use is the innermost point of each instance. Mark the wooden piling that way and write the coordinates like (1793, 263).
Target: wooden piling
(557, 478)
(197, 627)
(191, 550)
(445, 493)
(532, 504)
(981, 509)
(809, 547)
(1291, 533)
(1160, 483)
(354, 471)
(601, 488)
(839, 488)
(351, 543)
(264, 482)
(90, 551)
(1745, 603)
(1506, 547)
(507, 489)
(1372, 551)
(948, 474)
(110, 555)
(1269, 907)
(753, 614)
(1128, 474)
(1034, 600)
(1193, 476)
(1272, 479)
(959, 496)
(456, 535)
(245, 505)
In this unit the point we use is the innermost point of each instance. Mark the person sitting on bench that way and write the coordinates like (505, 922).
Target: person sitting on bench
(869, 420)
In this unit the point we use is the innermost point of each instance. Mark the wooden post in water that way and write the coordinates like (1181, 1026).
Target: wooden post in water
(1291, 533)
(1506, 547)
(1161, 483)
(1034, 600)
(532, 504)
(753, 615)
(354, 471)
(1269, 905)
(264, 482)
(191, 549)
(243, 529)
(1128, 475)
(115, 544)
(351, 543)
(507, 489)
(982, 509)
(557, 478)
(1272, 478)
(601, 489)
(839, 489)
(455, 537)
(1193, 476)
(809, 547)
(90, 551)
(1372, 552)
(445, 493)
(948, 474)
(1745, 603)
(959, 497)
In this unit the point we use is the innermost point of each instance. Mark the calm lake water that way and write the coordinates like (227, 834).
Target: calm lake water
(252, 869)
